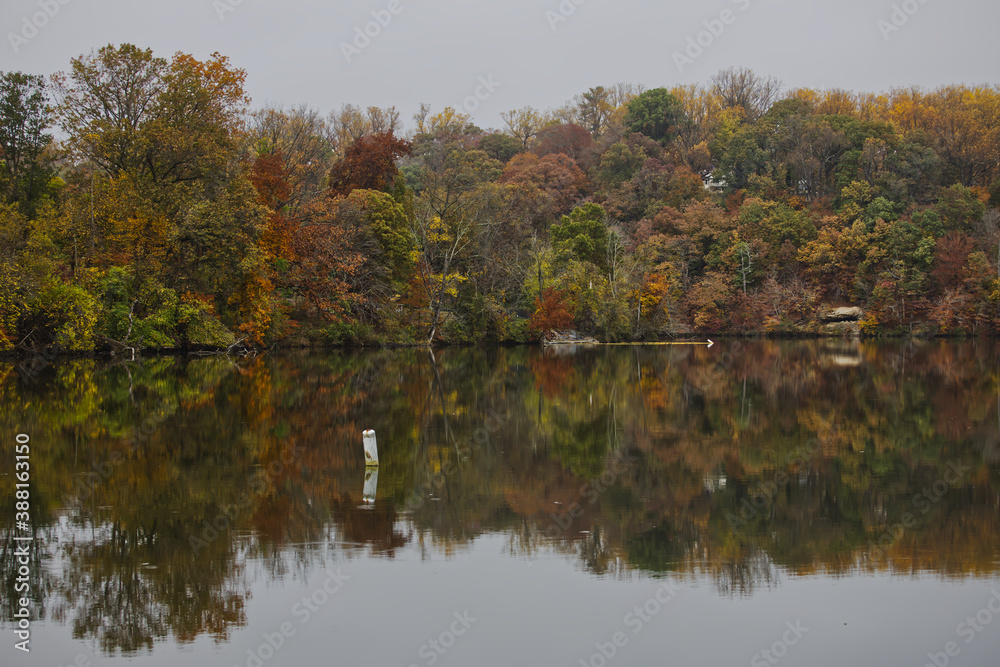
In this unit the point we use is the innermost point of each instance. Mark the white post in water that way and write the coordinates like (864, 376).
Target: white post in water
(371, 449)
(371, 485)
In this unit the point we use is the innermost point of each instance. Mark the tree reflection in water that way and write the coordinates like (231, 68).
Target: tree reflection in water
(627, 461)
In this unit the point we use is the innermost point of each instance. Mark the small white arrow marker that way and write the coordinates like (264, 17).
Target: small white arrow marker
(710, 343)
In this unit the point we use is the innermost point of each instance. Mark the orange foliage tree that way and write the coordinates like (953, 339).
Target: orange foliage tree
(553, 311)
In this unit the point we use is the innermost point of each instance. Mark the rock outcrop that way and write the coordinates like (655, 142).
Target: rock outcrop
(844, 321)
(568, 338)
(843, 314)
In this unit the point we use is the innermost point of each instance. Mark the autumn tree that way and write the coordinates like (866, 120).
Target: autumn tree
(950, 257)
(269, 176)
(293, 142)
(569, 139)
(500, 256)
(325, 264)
(378, 229)
(440, 243)
(657, 183)
(448, 123)
(348, 124)
(701, 110)
(522, 124)
(170, 200)
(659, 290)
(553, 312)
(620, 162)
(105, 103)
(555, 175)
(741, 87)
(594, 109)
(169, 122)
(811, 150)
(369, 164)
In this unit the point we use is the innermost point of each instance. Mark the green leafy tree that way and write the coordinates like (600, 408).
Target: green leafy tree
(620, 163)
(24, 119)
(583, 235)
(500, 147)
(744, 156)
(657, 114)
(959, 208)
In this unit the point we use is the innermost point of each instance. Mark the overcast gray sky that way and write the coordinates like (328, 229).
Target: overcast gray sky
(539, 52)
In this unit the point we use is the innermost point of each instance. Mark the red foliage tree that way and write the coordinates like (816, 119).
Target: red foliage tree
(553, 311)
(325, 262)
(556, 175)
(569, 139)
(949, 259)
(368, 164)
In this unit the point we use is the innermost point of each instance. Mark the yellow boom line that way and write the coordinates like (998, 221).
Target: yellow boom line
(686, 342)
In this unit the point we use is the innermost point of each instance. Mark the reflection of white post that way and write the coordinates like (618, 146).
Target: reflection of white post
(371, 449)
(371, 484)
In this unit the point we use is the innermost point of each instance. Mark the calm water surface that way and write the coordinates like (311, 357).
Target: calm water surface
(756, 503)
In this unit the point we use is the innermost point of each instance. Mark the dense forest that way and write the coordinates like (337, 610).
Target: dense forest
(147, 204)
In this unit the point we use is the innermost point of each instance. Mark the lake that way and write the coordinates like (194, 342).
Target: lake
(753, 503)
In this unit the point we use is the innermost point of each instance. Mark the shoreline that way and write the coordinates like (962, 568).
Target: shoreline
(686, 339)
